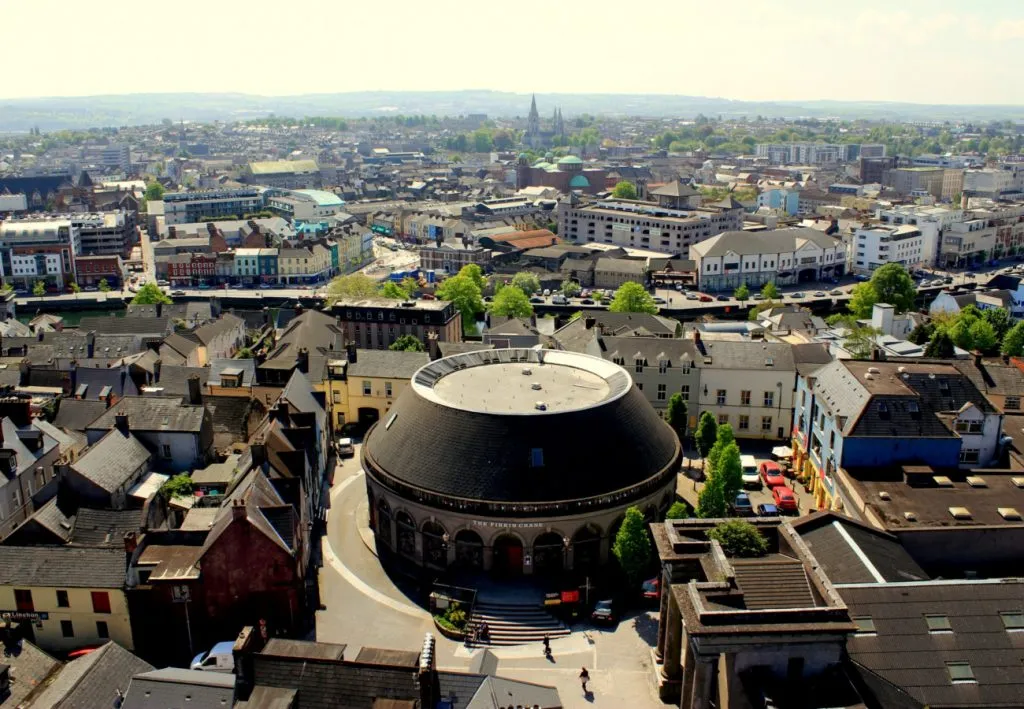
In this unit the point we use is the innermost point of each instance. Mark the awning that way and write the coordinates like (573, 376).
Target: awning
(782, 452)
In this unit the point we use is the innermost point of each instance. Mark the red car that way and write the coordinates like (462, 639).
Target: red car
(772, 475)
(785, 500)
(706, 299)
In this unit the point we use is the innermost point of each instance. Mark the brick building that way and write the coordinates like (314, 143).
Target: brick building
(191, 269)
(93, 269)
(375, 323)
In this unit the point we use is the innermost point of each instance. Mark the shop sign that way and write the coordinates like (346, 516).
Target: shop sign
(17, 616)
(508, 525)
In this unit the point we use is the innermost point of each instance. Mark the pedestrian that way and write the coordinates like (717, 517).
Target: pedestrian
(584, 678)
(547, 646)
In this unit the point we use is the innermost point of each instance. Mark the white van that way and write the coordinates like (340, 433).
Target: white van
(219, 658)
(750, 475)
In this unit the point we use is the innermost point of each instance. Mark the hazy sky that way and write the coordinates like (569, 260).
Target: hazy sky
(927, 51)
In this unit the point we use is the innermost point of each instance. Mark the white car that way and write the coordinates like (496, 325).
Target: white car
(751, 478)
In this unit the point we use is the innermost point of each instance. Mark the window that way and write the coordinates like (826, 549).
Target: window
(67, 629)
(387, 389)
(769, 399)
(766, 424)
(62, 599)
(102, 630)
(744, 422)
(684, 367)
(638, 365)
(938, 623)
(23, 600)
(662, 392)
(968, 426)
(720, 397)
(864, 623)
(536, 457)
(367, 387)
(684, 390)
(100, 602)
(744, 398)
(165, 450)
(960, 672)
(662, 366)
(1012, 402)
(969, 456)
(723, 419)
(1013, 620)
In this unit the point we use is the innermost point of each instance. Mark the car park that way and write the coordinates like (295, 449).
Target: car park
(741, 506)
(771, 474)
(785, 500)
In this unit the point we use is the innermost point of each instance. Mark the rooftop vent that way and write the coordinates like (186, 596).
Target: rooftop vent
(874, 370)
(540, 406)
(883, 495)
(535, 386)
(527, 372)
(1009, 513)
(942, 481)
(869, 376)
(960, 513)
(976, 481)
(910, 516)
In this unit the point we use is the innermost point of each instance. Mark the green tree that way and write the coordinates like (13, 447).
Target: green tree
(893, 285)
(922, 333)
(711, 501)
(941, 345)
(999, 319)
(407, 343)
(104, 285)
(862, 300)
(154, 191)
(75, 288)
(526, 282)
(393, 291)
(354, 286)
(742, 294)
(624, 190)
(571, 289)
(984, 337)
(769, 291)
(739, 538)
(730, 470)
(178, 486)
(724, 437)
(675, 415)
(465, 294)
(706, 434)
(151, 294)
(631, 297)
(409, 285)
(511, 302)
(1013, 341)
(678, 510)
(475, 274)
(245, 353)
(39, 289)
(960, 331)
(632, 548)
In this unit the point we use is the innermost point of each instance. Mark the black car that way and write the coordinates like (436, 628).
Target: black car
(722, 297)
(604, 613)
(177, 293)
(587, 301)
(535, 299)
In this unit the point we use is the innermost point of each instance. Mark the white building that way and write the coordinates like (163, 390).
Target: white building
(876, 245)
(306, 205)
(117, 156)
(784, 256)
(13, 203)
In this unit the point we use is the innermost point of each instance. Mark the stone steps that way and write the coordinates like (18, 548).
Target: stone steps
(511, 624)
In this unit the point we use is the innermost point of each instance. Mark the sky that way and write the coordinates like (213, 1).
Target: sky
(921, 51)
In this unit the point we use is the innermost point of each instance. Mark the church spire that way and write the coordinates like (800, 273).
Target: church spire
(533, 120)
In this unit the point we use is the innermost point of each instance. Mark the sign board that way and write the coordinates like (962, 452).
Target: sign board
(181, 593)
(17, 616)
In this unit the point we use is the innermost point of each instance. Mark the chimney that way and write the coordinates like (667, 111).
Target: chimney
(215, 309)
(426, 677)
(302, 360)
(238, 509)
(39, 334)
(159, 309)
(352, 356)
(131, 542)
(195, 394)
(259, 454)
(156, 371)
(121, 422)
(589, 322)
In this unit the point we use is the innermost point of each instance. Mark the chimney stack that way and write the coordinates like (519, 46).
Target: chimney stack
(156, 371)
(238, 509)
(159, 309)
(302, 360)
(195, 394)
(352, 356)
(426, 677)
(258, 451)
(589, 322)
(121, 422)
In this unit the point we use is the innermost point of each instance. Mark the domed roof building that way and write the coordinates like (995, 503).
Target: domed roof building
(520, 461)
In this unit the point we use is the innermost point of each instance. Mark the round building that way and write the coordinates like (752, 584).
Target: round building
(516, 461)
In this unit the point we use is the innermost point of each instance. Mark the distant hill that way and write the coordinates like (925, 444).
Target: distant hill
(56, 113)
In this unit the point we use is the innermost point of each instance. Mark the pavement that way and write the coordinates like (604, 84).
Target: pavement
(364, 606)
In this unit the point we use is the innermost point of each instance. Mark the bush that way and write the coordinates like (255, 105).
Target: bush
(453, 617)
(678, 510)
(739, 538)
(178, 486)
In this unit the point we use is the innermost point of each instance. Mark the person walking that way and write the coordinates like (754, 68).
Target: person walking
(584, 678)
(547, 646)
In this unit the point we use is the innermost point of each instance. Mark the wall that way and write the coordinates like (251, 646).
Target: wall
(79, 612)
(735, 381)
(871, 452)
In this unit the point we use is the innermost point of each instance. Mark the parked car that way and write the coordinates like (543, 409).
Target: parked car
(177, 293)
(163, 284)
(819, 294)
(741, 506)
(587, 301)
(691, 296)
(772, 475)
(604, 613)
(970, 274)
(547, 292)
(766, 509)
(861, 277)
(659, 300)
(536, 299)
(835, 291)
(345, 448)
(219, 658)
(947, 279)
(722, 297)
(488, 299)
(750, 476)
(785, 499)
(705, 298)
(755, 296)
(91, 289)
(798, 294)
(651, 589)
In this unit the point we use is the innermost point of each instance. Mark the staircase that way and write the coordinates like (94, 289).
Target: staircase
(511, 624)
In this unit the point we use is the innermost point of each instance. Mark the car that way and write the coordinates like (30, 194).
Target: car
(547, 292)
(722, 298)
(606, 301)
(651, 589)
(20, 292)
(659, 300)
(691, 296)
(587, 301)
(345, 448)
(741, 506)
(705, 298)
(785, 499)
(749, 474)
(177, 293)
(236, 286)
(163, 284)
(798, 294)
(766, 509)
(204, 286)
(604, 613)
(678, 286)
(559, 299)
(947, 279)
(756, 296)
(835, 291)
(771, 473)
(536, 299)
(819, 294)
(91, 289)
(970, 274)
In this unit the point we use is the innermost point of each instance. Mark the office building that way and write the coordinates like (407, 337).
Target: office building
(188, 207)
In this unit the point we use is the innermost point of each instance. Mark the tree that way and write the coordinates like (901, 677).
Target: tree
(705, 435)
(1013, 341)
(730, 470)
(407, 343)
(154, 191)
(104, 285)
(178, 486)
(984, 337)
(711, 502)
(742, 294)
(473, 273)
(678, 510)
(571, 289)
(922, 333)
(354, 286)
(724, 436)
(624, 190)
(862, 300)
(511, 302)
(960, 331)
(150, 294)
(409, 285)
(39, 289)
(769, 291)
(940, 346)
(393, 291)
(739, 538)
(75, 288)
(893, 285)
(465, 294)
(999, 319)
(631, 297)
(675, 415)
(527, 283)
(632, 548)
(245, 353)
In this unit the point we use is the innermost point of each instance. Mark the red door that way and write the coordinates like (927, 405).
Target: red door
(514, 561)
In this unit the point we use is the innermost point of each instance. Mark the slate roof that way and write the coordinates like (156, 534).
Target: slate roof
(95, 379)
(153, 413)
(903, 653)
(29, 668)
(174, 379)
(88, 682)
(575, 336)
(446, 349)
(110, 325)
(248, 367)
(110, 462)
(175, 687)
(62, 567)
(178, 344)
(221, 326)
(621, 265)
(729, 354)
(387, 364)
(651, 349)
(851, 552)
(77, 414)
(773, 583)
(104, 528)
(992, 376)
(763, 242)
(317, 332)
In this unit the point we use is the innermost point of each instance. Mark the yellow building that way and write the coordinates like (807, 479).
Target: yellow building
(65, 598)
(365, 384)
